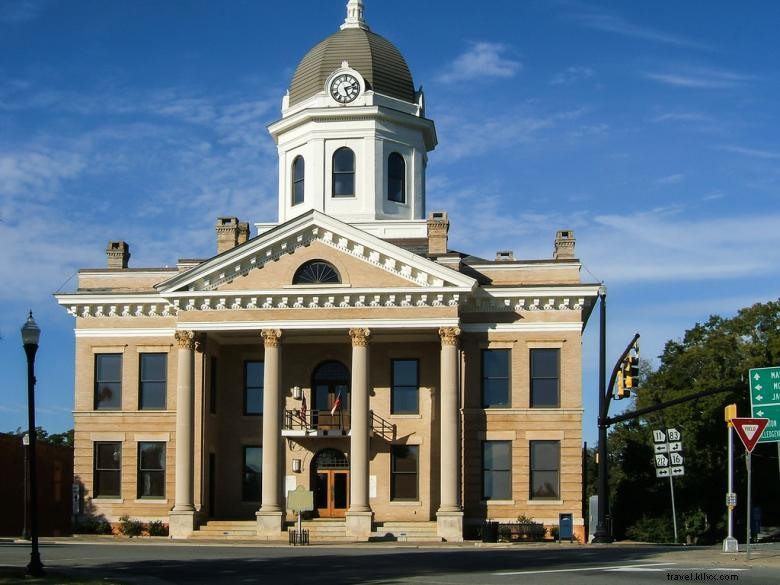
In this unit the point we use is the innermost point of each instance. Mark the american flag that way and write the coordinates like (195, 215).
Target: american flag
(336, 405)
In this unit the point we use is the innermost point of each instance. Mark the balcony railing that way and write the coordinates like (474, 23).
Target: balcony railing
(321, 423)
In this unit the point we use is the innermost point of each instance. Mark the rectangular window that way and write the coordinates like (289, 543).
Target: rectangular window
(404, 462)
(153, 386)
(151, 470)
(545, 378)
(107, 477)
(253, 387)
(405, 388)
(545, 470)
(497, 470)
(213, 385)
(108, 381)
(253, 474)
(495, 378)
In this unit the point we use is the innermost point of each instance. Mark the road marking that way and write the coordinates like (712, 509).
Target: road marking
(580, 569)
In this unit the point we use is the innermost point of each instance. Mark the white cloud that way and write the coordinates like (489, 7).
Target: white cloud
(463, 135)
(16, 11)
(700, 78)
(483, 60)
(752, 152)
(599, 19)
(670, 179)
(572, 75)
(682, 117)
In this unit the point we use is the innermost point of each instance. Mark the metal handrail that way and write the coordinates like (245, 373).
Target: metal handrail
(313, 419)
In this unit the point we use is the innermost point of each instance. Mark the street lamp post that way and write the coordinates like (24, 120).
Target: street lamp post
(26, 447)
(31, 333)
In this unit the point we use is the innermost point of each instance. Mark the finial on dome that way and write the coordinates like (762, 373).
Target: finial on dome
(354, 15)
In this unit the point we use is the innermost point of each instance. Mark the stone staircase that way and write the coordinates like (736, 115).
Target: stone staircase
(227, 530)
(322, 530)
(325, 530)
(405, 532)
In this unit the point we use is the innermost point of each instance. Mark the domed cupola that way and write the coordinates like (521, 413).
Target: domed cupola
(379, 62)
(353, 138)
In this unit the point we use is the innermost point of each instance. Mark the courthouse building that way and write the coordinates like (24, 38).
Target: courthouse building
(346, 349)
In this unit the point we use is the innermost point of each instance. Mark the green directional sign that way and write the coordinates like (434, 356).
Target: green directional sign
(765, 400)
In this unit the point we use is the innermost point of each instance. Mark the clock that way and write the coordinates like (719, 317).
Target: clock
(344, 88)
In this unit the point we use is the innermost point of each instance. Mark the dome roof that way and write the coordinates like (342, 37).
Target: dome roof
(374, 57)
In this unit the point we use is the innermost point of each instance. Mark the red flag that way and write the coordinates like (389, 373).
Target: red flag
(336, 405)
(303, 409)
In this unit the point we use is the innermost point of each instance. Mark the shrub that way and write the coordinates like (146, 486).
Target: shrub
(554, 532)
(157, 528)
(130, 527)
(649, 529)
(92, 525)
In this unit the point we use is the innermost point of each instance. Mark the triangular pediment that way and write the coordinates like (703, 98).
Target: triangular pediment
(267, 263)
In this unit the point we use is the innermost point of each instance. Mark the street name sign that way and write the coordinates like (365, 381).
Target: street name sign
(765, 400)
(749, 431)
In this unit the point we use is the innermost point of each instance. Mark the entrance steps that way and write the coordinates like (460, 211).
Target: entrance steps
(322, 530)
(227, 530)
(405, 532)
(325, 530)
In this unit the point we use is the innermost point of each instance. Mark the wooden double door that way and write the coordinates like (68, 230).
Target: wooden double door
(330, 481)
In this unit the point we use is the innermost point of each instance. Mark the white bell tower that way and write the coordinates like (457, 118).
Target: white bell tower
(353, 138)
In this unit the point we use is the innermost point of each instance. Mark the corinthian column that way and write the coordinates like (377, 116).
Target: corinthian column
(359, 514)
(450, 515)
(182, 517)
(270, 515)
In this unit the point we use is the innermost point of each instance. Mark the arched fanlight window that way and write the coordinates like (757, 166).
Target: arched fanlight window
(298, 167)
(316, 272)
(396, 178)
(343, 173)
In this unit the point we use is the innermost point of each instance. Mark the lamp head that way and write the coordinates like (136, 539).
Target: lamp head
(31, 333)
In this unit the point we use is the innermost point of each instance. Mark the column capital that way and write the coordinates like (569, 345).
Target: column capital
(359, 336)
(187, 340)
(271, 337)
(449, 335)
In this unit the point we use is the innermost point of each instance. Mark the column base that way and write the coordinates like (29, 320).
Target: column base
(449, 525)
(181, 524)
(270, 524)
(358, 524)
(730, 545)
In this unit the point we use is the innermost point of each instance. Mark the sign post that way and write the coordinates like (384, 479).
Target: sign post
(669, 461)
(730, 544)
(749, 431)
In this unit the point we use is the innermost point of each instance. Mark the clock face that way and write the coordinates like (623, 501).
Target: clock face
(344, 88)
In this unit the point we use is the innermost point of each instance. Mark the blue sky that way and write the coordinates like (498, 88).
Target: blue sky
(649, 128)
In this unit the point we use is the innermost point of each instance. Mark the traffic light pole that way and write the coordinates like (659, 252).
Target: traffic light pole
(602, 535)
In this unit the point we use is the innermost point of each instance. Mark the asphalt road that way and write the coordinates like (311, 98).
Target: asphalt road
(163, 563)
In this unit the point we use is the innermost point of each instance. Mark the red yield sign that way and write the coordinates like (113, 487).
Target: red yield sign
(749, 430)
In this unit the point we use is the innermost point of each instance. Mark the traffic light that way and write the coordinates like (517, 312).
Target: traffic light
(631, 371)
(622, 391)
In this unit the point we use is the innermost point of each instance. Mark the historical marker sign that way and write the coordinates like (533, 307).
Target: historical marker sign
(765, 400)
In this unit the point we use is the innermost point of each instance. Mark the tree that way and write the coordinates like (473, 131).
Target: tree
(714, 355)
(41, 435)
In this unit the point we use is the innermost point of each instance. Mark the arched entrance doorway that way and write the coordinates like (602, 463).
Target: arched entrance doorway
(330, 387)
(330, 478)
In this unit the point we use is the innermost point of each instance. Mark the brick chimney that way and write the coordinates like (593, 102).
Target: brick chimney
(230, 233)
(438, 226)
(564, 245)
(118, 254)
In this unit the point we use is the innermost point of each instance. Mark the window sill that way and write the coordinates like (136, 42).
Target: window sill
(108, 500)
(150, 501)
(406, 503)
(406, 416)
(544, 502)
(499, 502)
